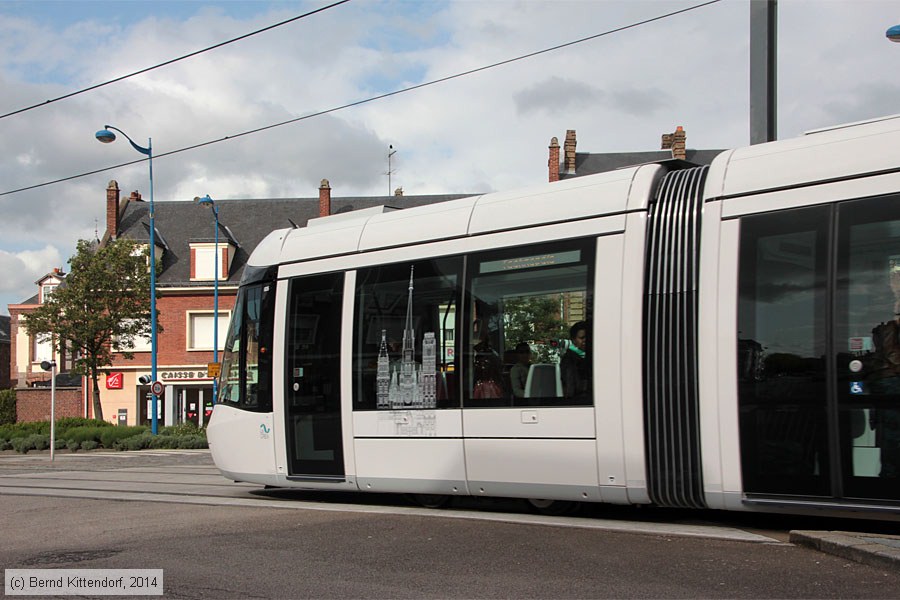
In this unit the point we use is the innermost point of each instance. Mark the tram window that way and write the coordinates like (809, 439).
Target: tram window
(404, 344)
(523, 304)
(246, 373)
(781, 352)
(867, 333)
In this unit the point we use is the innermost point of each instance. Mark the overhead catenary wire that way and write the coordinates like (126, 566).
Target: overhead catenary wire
(174, 60)
(370, 99)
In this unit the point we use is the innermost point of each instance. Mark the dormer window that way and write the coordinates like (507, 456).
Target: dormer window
(47, 291)
(48, 283)
(144, 250)
(203, 261)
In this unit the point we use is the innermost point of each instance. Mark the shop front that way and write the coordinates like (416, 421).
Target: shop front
(187, 397)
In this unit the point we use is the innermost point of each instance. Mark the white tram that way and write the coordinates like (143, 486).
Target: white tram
(742, 348)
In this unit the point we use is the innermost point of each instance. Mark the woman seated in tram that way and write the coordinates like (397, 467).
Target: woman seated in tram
(575, 366)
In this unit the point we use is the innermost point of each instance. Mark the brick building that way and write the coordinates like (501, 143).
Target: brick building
(186, 253)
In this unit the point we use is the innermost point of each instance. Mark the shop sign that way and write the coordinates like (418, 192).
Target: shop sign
(182, 375)
(115, 381)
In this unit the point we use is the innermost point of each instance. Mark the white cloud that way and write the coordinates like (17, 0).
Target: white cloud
(21, 269)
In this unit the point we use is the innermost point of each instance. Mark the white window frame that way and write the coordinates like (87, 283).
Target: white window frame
(41, 341)
(47, 290)
(224, 320)
(204, 265)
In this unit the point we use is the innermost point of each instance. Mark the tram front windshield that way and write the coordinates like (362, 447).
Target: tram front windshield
(246, 375)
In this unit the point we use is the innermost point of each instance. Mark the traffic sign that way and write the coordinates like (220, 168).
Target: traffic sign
(212, 369)
(157, 388)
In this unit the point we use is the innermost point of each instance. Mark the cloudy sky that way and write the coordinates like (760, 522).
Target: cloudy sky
(483, 132)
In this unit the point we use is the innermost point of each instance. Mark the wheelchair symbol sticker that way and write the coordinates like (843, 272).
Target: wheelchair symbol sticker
(856, 387)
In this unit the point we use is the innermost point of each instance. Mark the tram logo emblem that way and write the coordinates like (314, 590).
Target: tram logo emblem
(264, 431)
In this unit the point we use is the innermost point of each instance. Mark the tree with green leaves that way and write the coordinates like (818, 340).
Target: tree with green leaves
(536, 320)
(102, 306)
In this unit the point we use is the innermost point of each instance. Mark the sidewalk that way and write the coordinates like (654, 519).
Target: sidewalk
(868, 548)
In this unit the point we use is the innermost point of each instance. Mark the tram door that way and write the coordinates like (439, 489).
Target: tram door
(313, 404)
(819, 324)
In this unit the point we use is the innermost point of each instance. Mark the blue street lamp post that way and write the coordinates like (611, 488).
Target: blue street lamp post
(106, 136)
(207, 201)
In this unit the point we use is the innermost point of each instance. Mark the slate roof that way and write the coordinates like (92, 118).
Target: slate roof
(33, 300)
(181, 223)
(4, 330)
(590, 163)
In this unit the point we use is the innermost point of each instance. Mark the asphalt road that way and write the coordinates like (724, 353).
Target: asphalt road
(216, 539)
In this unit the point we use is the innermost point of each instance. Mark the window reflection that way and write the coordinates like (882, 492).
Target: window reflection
(781, 352)
(524, 348)
(868, 347)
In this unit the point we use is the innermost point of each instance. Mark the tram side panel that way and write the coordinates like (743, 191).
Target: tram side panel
(717, 361)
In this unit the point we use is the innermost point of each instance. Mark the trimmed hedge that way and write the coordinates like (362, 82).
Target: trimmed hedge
(88, 434)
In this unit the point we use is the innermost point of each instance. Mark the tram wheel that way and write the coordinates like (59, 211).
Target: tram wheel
(551, 507)
(430, 500)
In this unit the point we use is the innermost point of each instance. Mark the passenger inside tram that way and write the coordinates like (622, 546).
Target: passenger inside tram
(518, 374)
(487, 368)
(575, 363)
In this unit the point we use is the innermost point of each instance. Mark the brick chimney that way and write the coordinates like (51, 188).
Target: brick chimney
(324, 198)
(676, 142)
(553, 161)
(112, 209)
(398, 191)
(569, 149)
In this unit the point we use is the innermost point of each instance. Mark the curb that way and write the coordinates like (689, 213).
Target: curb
(869, 549)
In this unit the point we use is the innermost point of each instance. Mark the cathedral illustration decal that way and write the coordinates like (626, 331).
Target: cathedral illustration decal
(407, 384)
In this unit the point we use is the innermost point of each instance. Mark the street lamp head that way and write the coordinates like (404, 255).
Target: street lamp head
(106, 136)
(204, 201)
(48, 364)
(893, 33)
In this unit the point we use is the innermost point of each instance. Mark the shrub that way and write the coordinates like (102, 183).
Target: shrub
(89, 445)
(5, 445)
(22, 444)
(72, 445)
(110, 435)
(39, 441)
(35, 441)
(82, 434)
(68, 423)
(135, 442)
(59, 444)
(192, 442)
(18, 430)
(186, 428)
(7, 406)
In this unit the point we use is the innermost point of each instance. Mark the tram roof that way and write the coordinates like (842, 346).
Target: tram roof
(615, 192)
(825, 155)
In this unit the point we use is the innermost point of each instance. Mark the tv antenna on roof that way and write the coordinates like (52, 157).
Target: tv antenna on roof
(391, 152)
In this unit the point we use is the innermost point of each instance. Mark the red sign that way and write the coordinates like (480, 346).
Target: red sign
(115, 381)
